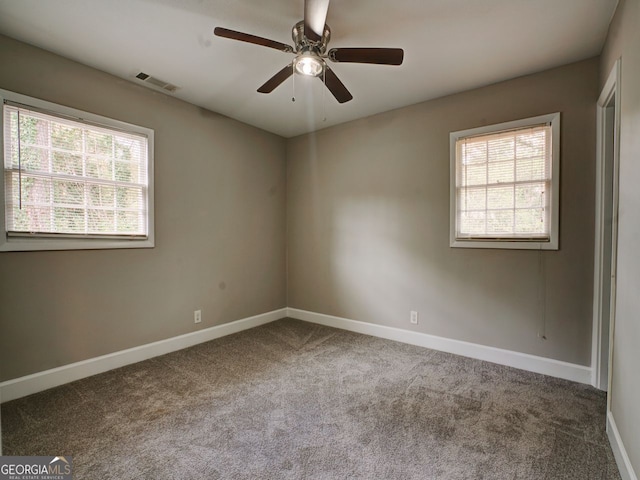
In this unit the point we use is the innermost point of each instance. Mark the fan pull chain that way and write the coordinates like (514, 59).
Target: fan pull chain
(542, 296)
(293, 83)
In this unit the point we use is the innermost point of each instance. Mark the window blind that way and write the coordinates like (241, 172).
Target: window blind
(68, 177)
(503, 185)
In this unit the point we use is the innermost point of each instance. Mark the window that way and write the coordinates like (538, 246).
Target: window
(73, 180)
(504, 185)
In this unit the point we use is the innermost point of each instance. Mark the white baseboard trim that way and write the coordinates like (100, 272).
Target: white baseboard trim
(37, 382)
(622, 459)
(523, 361)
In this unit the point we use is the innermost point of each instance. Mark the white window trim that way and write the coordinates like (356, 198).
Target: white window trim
(21, 243)
(553, 243)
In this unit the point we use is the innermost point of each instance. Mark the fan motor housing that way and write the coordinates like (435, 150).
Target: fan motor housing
(302, 43)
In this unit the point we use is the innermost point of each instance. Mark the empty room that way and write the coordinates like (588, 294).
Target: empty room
(312, 239)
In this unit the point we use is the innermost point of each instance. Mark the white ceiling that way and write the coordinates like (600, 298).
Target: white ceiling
(450, 46)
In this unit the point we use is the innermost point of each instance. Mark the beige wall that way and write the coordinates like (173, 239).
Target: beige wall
(368, 216)
(368, 223)
(220, 222)
(624, 42)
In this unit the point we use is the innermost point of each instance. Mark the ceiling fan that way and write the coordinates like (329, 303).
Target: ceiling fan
(311, 37)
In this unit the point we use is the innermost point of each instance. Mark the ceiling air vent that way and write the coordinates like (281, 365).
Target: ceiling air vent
(156, 82)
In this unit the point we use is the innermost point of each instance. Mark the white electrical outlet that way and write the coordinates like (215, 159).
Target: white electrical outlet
(197, 316)
(414, 317)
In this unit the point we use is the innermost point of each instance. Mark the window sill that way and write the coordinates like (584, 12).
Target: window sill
(44, 244)
(505, 244)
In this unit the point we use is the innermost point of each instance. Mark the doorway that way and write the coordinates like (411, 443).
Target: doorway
(606, 241)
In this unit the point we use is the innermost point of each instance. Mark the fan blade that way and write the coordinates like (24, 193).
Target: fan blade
(246, 37)
(277, 79)
(379, 56)
(335, 86)
(315, 16)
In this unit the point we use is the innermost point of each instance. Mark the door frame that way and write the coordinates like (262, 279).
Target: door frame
(609, 97)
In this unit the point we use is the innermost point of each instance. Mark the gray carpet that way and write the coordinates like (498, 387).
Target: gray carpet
(294, 400)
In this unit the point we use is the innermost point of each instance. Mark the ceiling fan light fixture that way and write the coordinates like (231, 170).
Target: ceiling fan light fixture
(309, 65)
(311, 37)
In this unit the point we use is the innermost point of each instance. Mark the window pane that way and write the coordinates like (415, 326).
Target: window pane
(474, 174)
(503, 184)
(472, 223)
(67, 163)
(101, 221)
(128, 197)
(32, 218)
(32, 158)
(128, 172)
(530, 221)
(501, 172)
(101, 195)
(66, 137)
(500, 197)
(68, 220)
(126, 149)
(72, 177)
(531, 169)
(501, 149)
(101, 168)
(473, 198)
(530, 195)
(99, 143)
(474, 152)
(530, 144)
(500, 222)
(32, 190)
(34, 131)
(68, 193)
(129, 222)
